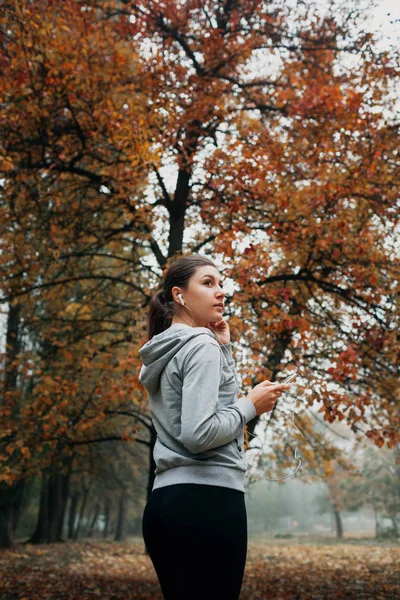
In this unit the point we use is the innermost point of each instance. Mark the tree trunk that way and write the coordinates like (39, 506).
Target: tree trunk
(11, 495)
(81, 513)
(63, 497)
(72, 514)
(10, 503)
(53, 501)
(42, 524)
(106, 518)
(120, 533)
(338, 522)
(395, 526)
(377, 523)
(94, 519)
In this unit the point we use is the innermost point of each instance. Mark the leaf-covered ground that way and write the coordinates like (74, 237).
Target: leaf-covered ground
(281, 571)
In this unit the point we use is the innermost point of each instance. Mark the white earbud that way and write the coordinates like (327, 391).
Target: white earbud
(181, 299)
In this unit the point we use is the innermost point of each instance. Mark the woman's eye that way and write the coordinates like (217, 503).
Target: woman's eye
(221, 286)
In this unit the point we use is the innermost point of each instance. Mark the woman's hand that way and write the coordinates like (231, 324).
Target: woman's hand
(221, 330)
(265, 394)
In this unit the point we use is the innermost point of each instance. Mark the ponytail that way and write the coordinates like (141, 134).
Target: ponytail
(161, 312)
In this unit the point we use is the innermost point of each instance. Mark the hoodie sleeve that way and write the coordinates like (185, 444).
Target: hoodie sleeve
(204, 426)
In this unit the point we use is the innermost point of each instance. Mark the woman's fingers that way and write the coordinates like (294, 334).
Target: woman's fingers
(276, 386)
(283, 386)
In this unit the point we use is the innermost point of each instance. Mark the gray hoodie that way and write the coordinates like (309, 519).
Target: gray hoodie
(193, 385)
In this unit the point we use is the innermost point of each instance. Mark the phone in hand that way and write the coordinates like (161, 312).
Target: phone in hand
(290, 377)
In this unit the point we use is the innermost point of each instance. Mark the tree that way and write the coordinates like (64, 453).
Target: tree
(74, 145)
(107, 477)
(381, 485)
(11, 492)
(284, 160)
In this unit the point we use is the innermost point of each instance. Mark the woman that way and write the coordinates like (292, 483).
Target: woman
(195, 522)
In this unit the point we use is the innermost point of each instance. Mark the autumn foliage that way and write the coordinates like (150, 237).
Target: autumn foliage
(260, 133)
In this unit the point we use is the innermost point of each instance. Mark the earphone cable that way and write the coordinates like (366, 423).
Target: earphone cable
(239, 390)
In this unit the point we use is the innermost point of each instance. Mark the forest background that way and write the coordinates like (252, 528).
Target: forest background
(263, 134)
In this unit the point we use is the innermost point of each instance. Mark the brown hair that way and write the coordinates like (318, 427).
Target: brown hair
(161, 306)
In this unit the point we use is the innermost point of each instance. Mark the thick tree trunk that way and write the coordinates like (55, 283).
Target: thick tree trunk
(64, 492)
(42, 524)
(11, 495)
(73, 509)
(10, 503)
(120, 533)
(53, 501)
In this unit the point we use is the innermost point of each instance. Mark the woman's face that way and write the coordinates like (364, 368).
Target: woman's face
(204, 292)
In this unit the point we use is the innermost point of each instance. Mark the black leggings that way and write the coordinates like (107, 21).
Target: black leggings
(196, 536)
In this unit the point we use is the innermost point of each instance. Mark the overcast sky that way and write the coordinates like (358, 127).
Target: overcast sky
(386, 18)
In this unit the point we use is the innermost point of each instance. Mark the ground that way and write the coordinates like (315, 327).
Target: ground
(276, 569)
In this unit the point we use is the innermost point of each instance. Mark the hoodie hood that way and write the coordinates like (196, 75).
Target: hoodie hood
(158, 351)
